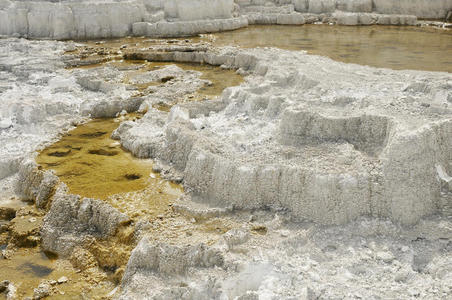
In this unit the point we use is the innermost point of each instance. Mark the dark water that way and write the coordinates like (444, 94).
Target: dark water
(35, 269)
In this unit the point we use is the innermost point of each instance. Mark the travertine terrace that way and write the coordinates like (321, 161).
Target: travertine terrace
(261, 173)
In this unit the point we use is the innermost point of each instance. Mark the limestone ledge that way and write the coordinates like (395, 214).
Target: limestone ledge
(106, 19)
(70, 220)
(187, 28)
(310, 151)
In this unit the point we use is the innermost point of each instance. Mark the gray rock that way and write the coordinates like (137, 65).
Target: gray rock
(62, 279)
(385, 256)
(70, 219)
(6, 123)
(169, 259)
(4, 285)
(35, 184)
(42, 291)
(236, 236)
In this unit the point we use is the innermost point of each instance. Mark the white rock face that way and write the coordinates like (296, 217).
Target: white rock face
(291, 139)
(6, 123)
(199, 9)
(421, 8)
(70, 20)
(71, 219)
(343, 12)
(34, 184)
(321, 6)
(366, 259)
(169, 259)
(88, 20)
(290, 19)
(354, 6)
(187, 28)
(192, 9)
(157, 18)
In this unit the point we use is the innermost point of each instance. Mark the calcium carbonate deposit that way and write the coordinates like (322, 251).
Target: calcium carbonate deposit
(147, 155)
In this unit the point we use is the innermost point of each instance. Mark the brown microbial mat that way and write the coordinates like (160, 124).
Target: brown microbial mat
(93, 165)
(27, 268)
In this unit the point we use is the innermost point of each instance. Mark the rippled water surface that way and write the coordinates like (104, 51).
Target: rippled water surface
(395, 47)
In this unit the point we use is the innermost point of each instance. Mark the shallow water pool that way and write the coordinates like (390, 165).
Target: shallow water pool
(395, 47)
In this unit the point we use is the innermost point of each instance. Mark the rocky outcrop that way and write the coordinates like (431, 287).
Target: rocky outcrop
(169, 260)
(88, 20)
(71, 220)
(323, 155)
(420, 8)
(8, 166)
(348, 18)
(367, 133)
(69, 20)
(187, 28)
(412, 181)
(193, 9)
(156, 18)
(36, 184)
(111, 107)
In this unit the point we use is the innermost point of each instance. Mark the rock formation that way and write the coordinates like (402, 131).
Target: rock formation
(105, 19)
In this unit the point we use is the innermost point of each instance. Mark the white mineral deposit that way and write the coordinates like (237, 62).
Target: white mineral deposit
(226, 149)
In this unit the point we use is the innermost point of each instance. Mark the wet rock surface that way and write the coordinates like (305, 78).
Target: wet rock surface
(24, 264)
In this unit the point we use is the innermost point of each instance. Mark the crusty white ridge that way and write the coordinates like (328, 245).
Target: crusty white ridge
(328, 144)
(105, 19)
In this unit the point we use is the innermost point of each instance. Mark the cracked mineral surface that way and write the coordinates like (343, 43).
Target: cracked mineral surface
(226, 165)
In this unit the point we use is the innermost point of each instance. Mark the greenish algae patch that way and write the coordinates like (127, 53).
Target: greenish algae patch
(93, 165)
